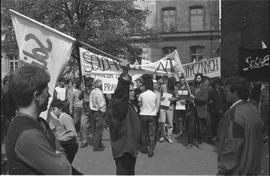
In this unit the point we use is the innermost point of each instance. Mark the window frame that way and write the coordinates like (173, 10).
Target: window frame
(170, 49)
(197, 54)
(13, 62)
(203, 17)
(162, 19)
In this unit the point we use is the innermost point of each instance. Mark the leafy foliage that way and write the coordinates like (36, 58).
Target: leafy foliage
(106, 25)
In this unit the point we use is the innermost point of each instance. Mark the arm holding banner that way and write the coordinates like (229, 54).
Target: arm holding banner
(121, 95)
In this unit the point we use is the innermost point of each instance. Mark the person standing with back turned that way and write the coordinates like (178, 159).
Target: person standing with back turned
(31, 147)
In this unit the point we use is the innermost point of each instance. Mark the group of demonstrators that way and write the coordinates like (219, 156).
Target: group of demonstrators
(232, 113)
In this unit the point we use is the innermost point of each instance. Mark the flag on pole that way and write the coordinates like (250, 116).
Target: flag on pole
(179, 70)
(41, 45)
(263, 45)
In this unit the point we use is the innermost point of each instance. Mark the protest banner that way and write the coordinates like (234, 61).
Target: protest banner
(94, 64)
(41, 45)
(208, 67)
(108, 70)
(254, 63)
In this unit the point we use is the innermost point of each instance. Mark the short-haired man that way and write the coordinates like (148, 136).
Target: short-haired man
(241, 133)
(97, 104)
(30, 146)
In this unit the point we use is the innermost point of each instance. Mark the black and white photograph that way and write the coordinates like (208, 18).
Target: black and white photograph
(135, 87)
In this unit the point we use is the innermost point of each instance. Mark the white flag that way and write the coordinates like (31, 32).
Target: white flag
(41, 45)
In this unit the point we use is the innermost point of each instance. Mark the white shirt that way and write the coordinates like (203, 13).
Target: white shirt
(60, 93)
(97, 100)
(149, 103)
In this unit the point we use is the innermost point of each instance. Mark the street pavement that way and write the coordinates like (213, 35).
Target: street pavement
(168, 159)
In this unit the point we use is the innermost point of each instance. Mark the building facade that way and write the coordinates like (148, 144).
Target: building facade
(9, 48)
(9, 56)
(190, 26)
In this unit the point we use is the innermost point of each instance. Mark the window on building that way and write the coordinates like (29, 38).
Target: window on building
(13, 63)
(167, 50)
(196, 18)
(168, 19)
(197, 52)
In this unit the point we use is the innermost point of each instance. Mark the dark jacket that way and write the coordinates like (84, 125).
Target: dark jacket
(124, 122)
(20, 124)
(218, 101)
(241, 141)
(201, 100)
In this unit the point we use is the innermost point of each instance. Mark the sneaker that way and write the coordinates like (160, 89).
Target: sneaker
(150, 154)
(170, 140)
(161, 139)
(144, 150)
(189, 146)
(83, 144)
(197, 145)
(265, 139)
(99, 149)
(102, 145)
(180, 133)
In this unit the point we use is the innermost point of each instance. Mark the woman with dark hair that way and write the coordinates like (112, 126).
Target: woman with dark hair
(168, 94)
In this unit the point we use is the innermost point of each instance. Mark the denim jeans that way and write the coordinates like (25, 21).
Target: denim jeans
(71, 148)
(99, 127)
(77, 116)
(166, 116)
(148, 132)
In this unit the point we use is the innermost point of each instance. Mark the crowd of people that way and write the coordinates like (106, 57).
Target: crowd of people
(231, 113)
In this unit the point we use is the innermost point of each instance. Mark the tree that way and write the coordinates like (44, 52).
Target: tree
(106, 25)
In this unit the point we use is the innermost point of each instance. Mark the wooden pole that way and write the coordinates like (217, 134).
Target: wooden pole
(77, 57)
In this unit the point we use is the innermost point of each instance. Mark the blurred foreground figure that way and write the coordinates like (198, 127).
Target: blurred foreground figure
(241, 133)
(30, 146)
(124, 125)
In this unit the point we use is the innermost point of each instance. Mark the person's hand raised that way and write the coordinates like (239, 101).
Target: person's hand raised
(124, 64)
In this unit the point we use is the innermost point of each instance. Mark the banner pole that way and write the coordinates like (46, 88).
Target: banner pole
(78, 60)
(187, 85)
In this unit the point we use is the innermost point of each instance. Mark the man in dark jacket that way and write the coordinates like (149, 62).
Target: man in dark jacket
(31, 148)
(200, 93)
(124, 125)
